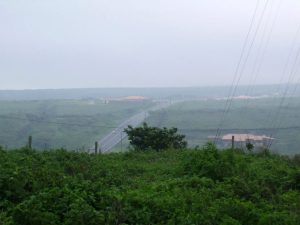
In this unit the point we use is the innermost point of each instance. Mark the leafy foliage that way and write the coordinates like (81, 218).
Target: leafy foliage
(204, 186)
(154, 138)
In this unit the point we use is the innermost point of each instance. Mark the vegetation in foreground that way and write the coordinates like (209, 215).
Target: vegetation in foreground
(204, 186)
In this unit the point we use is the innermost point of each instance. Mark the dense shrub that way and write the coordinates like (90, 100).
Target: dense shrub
(154, 138)
(204, 186)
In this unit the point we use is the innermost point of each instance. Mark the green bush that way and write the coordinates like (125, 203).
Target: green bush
(203, 186)
(154, 138)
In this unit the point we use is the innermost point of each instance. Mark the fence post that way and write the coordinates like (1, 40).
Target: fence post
(96, 147)
(121, 141)
(232, 142)
(30, 142)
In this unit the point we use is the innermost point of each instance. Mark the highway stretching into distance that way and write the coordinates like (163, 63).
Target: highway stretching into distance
(112, 139)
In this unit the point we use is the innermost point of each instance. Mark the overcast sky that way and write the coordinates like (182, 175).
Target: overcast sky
(140, 43)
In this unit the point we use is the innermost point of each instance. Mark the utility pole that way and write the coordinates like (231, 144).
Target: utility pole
(232, 142)
(121, 141)
(96, 147)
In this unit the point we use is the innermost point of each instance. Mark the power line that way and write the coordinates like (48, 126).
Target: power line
(239, 129)
(238, 65)
(249, 51)
(270, 118)
(277, 120)
(239, 72)
(259, 60)
(261, 52)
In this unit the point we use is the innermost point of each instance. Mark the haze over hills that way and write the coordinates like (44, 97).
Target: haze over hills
(76, 118)
(155, 93)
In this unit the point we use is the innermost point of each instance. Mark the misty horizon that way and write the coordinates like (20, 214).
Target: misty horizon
(149, 87)
(101, 44)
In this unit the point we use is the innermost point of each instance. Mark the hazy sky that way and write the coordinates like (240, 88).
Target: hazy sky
(134, 43)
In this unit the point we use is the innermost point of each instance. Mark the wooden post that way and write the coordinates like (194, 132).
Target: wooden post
(121, 141)
(96, 147)
(232, 142)
(30, 142)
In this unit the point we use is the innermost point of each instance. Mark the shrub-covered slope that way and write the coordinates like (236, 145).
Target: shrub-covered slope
(171, 187)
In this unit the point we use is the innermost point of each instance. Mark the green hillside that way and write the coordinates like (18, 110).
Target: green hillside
(50, 122)
(204, 186)
(200, 119)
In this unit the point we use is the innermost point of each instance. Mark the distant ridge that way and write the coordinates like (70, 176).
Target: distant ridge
(100, 93)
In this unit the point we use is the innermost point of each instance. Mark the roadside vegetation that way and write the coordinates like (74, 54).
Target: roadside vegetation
(200, 186)
(71, 124)
(154, 138)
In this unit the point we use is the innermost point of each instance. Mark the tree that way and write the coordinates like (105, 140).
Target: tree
(146, 138)
(249, 146)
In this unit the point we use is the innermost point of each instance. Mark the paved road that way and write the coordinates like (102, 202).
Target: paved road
(117, 135)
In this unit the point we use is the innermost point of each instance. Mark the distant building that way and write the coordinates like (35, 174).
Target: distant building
(134, 98)
(241, 140)
(126, 98)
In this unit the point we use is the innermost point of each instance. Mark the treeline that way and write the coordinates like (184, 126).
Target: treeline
(203, 186)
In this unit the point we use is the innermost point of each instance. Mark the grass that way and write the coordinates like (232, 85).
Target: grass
(196, 119)
(200, 119)
(50, 122)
